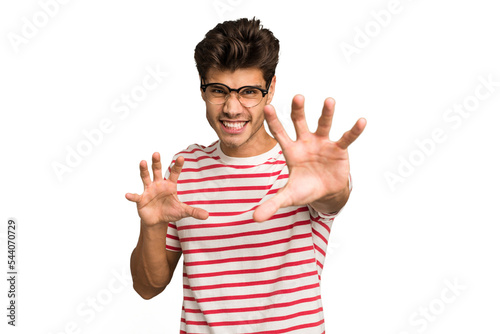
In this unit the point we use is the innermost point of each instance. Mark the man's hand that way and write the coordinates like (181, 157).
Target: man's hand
(318, 167)
(159, 203)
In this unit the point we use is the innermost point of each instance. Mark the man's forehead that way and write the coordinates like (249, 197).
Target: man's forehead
(239, 77)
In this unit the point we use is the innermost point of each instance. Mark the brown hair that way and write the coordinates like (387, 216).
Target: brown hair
(238, 44)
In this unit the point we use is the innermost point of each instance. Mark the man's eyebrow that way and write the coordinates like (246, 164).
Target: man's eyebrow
(256, 85)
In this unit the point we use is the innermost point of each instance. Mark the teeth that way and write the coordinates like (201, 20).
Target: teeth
(234, 125)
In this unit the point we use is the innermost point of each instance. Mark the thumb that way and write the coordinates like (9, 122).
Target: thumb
(132, 197)
(197, 213)
(267, 209)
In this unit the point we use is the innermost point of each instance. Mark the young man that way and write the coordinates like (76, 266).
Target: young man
(251, 212)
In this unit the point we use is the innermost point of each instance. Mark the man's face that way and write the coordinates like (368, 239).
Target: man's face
(240, 129)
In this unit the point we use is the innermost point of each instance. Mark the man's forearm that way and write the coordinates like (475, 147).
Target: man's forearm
(148, 263)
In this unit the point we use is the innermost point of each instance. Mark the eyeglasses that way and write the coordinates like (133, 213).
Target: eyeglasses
(249, 96)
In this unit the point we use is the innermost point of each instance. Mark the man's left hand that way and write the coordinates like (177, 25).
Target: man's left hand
(318, 167)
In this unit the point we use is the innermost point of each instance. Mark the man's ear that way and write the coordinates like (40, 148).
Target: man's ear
(201, 90)
(270, 94)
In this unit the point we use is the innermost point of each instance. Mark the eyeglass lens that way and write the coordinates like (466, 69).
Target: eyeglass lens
(248, 96)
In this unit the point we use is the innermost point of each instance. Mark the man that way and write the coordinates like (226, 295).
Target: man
(251, 212)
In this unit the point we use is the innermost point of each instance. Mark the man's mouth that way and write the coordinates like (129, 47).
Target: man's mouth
(233, 125)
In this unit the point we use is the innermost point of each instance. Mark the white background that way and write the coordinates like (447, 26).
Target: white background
(392, 249)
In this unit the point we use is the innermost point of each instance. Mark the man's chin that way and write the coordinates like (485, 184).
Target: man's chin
(232, 147)
(231, 144)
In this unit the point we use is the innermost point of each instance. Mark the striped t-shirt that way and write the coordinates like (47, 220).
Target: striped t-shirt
(241, 276)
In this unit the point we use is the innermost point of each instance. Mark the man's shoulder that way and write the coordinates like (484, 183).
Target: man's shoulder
(194, 155)
(196, 150)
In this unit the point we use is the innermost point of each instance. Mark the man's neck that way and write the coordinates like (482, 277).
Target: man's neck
(249, 149)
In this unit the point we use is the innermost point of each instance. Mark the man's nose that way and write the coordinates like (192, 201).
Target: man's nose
(233, 105)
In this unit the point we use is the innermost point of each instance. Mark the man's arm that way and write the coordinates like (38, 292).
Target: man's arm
(152, 266)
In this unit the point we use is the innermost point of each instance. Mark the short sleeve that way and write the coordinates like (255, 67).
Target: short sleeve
(173, 244)
(321, 226)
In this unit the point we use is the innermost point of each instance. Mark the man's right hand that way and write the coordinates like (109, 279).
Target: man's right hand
(159, 203)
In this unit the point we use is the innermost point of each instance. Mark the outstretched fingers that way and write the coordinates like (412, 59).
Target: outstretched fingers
(350, 136)
(156, 167)
(145, 176)
(325, 121)
(299, 116)
(276, 127)
(176, 169)
(146, 179)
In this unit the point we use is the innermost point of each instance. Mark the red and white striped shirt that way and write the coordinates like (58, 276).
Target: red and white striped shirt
(241, 276)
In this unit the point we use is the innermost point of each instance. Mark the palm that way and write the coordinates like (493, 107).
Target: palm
(159, 202)
(318, 167)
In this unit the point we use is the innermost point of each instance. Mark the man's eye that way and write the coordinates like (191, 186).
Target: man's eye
(217, 90)
(249, 91)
